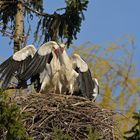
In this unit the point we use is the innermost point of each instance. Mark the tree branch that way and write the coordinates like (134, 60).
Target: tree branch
(37, 12)
(7, 33)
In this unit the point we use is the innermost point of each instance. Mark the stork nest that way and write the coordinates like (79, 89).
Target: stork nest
(72, 115)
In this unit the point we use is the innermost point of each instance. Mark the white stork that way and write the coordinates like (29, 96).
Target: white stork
(41, 66)
(15, 65)
(45, 65)
(76, 75)
(67, 74)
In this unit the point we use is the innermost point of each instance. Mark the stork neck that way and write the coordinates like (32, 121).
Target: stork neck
(55, 58)
(64, 58)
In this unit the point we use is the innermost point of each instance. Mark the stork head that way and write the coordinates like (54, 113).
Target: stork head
(59, 49)
(62, 47)
(56, 48)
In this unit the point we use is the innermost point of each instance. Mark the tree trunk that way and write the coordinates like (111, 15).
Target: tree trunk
(19, 28)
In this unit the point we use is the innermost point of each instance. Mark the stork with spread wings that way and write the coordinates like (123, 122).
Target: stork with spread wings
(29, 63)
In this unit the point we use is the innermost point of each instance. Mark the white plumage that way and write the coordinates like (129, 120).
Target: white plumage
(67, 74)
(96, 89)
(50, 76)
(75, 75)
(44, 66)
(21, 55)
(41, 66)
(78, 62)
(84, 84)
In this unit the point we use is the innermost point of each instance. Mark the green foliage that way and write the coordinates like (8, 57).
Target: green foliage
(8, 15)
(64, 26)
(92, 135)
(59, 135)
(134, 132)
(50, 26)
(8, 10)
(35, 4)
(10, 120)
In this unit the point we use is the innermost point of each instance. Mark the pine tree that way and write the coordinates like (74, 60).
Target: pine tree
(12, 13)
(11, 126)
(134, 132)
(52, 26)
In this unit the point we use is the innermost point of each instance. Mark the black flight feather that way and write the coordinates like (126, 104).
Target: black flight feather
(36, 66)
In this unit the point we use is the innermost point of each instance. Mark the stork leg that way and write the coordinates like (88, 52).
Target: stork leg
(60, 87)
(74, 77)
(44, 84)
(71, 89)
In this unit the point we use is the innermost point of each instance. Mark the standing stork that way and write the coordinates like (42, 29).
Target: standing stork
(15, 65)
(67, 73)
(76, 75)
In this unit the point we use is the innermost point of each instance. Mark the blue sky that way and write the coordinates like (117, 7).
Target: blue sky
(105, 21)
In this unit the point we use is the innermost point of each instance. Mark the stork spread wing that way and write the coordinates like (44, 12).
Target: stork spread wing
(85, 83)
(84, 80)
(38, 63)
(15, 65)
(36, 66)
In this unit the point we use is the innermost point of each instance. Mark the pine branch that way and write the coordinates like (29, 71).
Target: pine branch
(10, 35)
(37, 12)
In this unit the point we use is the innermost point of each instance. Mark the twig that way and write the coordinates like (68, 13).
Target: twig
(37, 12)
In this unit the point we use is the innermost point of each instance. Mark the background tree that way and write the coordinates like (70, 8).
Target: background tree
(134, 132)
(12, 18)
(113, 66)
(52, 26)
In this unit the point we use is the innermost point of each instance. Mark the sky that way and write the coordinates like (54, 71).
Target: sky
(105, 21)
